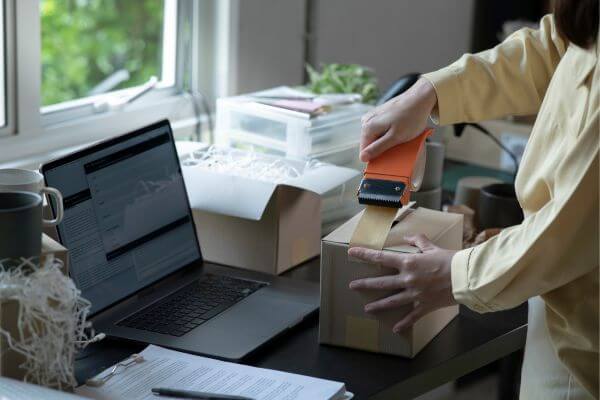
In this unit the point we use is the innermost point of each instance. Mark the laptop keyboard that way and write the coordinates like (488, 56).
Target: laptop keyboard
(192, 305)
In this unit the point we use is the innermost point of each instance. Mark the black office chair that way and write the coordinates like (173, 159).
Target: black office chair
(398, 87)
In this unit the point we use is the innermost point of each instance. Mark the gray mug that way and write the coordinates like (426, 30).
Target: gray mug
(25, 180)
(499, 207)
(434, 170)
(20, 224)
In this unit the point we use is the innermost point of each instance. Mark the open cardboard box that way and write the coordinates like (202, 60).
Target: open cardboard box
(9, 310)
(259, 225)
(342, 320)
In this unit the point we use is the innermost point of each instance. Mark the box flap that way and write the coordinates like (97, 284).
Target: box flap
(323, 178)
(50, 245)
(247, 198)
(431, 223)
(185, 148)
(344, 232)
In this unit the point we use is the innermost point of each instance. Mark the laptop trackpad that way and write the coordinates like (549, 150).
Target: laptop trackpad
(245, 326)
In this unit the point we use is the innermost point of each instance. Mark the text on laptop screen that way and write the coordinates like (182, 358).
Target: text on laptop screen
(127, 220)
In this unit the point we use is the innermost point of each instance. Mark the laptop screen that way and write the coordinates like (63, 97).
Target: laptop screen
(127, 219)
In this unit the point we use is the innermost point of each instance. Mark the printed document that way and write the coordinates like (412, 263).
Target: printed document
(11, 389)
(175, 370)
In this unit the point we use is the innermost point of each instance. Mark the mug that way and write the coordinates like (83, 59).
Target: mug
(499, 207)
(431, 199)
(20, 224)
(434, 170)
(25, 180)
(468, 190)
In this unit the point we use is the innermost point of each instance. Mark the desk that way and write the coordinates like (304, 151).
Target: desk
(469, 342)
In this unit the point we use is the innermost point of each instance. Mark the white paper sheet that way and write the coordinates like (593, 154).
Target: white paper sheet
(11, 389)
(172, 369)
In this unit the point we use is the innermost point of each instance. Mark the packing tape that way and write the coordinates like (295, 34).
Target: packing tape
(362, 333)
(373, 227)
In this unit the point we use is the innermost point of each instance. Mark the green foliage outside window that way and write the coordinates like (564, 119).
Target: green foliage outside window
(86, 41)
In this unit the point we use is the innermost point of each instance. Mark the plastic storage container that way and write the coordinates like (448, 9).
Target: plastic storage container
(242, 122)
(346, 156)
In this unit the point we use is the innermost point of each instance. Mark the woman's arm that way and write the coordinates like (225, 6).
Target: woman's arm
(549, 249)
(510, 79)
(399, 120)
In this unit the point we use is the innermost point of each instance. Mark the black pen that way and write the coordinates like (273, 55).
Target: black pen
(190, 394)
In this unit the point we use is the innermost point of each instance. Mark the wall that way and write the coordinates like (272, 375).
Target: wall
(393, 37)
(267, 44)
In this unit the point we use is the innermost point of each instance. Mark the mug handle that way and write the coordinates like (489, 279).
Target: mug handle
(58, 201)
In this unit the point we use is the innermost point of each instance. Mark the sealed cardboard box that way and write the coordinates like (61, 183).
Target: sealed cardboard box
(10, 360)
(258, 224)
(342, 319)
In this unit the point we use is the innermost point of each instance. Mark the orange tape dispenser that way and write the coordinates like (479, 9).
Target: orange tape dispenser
(387, 178)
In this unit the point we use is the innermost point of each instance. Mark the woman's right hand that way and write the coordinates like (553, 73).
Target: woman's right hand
(399, 120)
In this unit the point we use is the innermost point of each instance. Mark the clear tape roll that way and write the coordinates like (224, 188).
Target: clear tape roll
(419, 170)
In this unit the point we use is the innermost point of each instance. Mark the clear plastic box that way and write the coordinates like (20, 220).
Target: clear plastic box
(344, 156)
(241, 120)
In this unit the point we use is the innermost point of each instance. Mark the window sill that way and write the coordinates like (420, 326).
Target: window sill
(29, 149)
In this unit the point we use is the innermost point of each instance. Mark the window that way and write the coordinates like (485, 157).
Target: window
(2, 67)
(83, 63)
(93, 47)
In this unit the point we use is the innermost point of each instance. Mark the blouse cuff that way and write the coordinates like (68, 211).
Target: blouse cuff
(447, 88)
(460, 282)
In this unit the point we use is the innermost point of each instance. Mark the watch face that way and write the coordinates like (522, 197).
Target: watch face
(381, 192)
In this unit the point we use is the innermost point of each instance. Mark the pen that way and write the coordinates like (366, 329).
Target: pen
(190, 394)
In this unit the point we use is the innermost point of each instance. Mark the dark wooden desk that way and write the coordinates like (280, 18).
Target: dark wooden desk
(469, 342)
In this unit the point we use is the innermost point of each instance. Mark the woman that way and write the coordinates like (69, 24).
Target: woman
(551, 258)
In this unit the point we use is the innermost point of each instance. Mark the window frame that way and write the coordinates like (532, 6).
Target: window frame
(3, 63)
(84, 106)
(9, 69)
(37, 133)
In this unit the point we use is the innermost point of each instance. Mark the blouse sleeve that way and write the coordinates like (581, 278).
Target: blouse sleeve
(509, 79)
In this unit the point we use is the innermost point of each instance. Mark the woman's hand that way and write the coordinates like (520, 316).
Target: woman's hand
(399, 120)
(423, 279)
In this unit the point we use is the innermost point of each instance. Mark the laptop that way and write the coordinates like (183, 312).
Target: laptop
(135, 255)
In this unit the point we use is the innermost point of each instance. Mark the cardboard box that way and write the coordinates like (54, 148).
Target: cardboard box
(9, 310)
(259, 225)
(343, 322)
(51, 246)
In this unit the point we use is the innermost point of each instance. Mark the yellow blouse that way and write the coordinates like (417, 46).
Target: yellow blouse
(553, 253)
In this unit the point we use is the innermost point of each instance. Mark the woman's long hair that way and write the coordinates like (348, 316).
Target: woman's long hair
(577, 21)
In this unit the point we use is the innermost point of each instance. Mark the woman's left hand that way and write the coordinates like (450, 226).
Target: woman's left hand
(423, 279)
